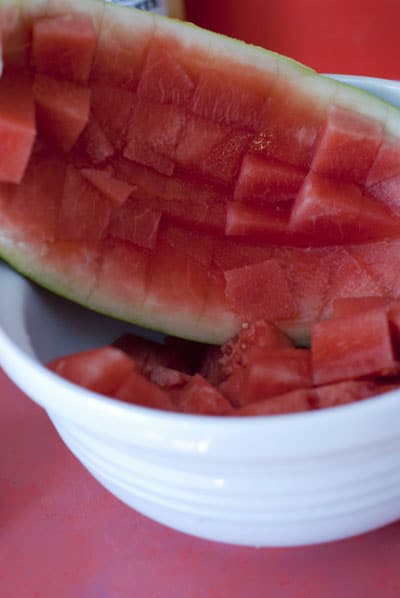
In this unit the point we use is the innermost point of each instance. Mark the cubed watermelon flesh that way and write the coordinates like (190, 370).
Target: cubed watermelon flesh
(255, 373)
(209, 183)
(17, 125)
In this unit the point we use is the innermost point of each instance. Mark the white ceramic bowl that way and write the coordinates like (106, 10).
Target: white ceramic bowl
(284, 480)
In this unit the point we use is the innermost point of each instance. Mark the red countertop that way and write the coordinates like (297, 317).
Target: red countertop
(63, 536)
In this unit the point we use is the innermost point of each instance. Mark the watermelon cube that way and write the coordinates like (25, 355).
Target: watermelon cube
(271, 372)
(115, 190)
(93, 146)
(30, 209)
(138, 390)
(84, 212)
(330, 211)
(137, 222)
(156, 127)
(62, 110)
(17, 125)
(268, 222)
(342, 393)
(387, 192)
(260, 291)
(102, 370)
(386, 164)
(295, 401)
(112, 108)
(232, 387)
(349, 306)
(232, 98)
(220, 362)
(64, 46)
(262, 180)
(199, 396)
(164, 79)
(212, 150)
(347, 146)
(351, 347)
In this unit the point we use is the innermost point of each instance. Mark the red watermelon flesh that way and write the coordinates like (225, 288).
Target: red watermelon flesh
(156, 126)
(173, 194)
(347, 146)
(219, 363)
(386, 164)
(246, 292)
(289, 127)
(272, 380)
(347, 278)
(74, 36)
(164, 292)
(295, 401)
(273, 372)
(67, 263)
(350, 391)
(351, 347)
(115, 190)
(17, 125)
(236, 252)
(121, 49)
(388, 193)
(329, 211)
(349, 306)
(30, 209)
(163, 78)
(271, 223)
(231, 98)
(102, 370)
(380, 261)
(140, 391)
(136, 222)
(112, 108)
(200, 397)
(123, 271)
(198, 245)
(262, 180)
(94, 144)
(173, 355)
(168, 135)
(310, 399)
(84, 212)
(62, 110)
(211, 150)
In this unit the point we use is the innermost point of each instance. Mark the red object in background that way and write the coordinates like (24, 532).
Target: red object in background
(331, 36)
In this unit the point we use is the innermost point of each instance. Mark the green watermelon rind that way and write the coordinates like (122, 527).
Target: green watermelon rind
(16, 255)
(300, 78)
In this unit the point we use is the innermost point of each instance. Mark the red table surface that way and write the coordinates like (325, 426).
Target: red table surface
(62, 535)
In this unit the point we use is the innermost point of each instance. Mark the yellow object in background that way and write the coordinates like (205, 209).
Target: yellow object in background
(169, 8)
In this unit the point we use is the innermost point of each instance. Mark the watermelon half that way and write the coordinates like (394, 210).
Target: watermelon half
(188, 182)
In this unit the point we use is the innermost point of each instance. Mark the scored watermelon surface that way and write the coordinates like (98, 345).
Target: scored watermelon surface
(185, 181)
